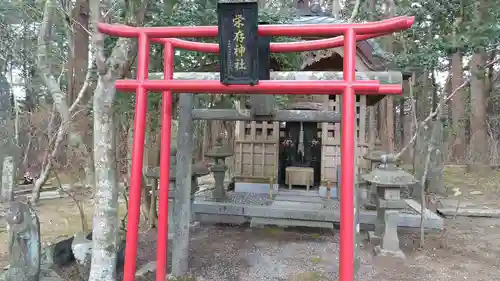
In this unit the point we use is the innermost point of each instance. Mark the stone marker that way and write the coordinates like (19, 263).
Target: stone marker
(24, 243)
(8, 175)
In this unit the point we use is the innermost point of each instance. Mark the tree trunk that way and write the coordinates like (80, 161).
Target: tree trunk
(478, 145)
(479, 137)
(78, 58)
(105, 220)
(458, 103)
(105, 225)
(78, 62)
(406, 122)
(423, 106)
(458, 116)
(371, 110)
(387, 104)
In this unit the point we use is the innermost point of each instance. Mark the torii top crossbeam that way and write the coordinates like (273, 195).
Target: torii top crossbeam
(291, 30)
(351, 32)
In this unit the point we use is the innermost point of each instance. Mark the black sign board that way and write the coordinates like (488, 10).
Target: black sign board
(238, 42)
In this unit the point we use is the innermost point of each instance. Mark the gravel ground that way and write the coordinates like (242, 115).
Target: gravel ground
(249, 198)
(219, 253)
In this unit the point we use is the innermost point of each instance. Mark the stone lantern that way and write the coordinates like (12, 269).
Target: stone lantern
(374, 157)
(198, 169)
(219, 153)
(388, 180)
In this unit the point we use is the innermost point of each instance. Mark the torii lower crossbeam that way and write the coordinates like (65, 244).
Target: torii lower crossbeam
(349, 87)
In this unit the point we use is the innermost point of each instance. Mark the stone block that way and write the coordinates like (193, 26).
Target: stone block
(374, 239)
(296, 210)
(260, 188)
(323, 192)
(294, 198)
(298, 192)
(297, 205)
(392, 193)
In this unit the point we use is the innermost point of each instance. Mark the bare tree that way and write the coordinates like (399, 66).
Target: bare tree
(105, 222)
(66, 113)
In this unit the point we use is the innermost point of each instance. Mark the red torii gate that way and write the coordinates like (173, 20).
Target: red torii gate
(348, 88)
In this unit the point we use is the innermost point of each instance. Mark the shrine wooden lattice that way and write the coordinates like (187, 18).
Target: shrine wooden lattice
(349, 87)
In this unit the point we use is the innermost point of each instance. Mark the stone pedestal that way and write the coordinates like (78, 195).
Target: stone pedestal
(219, 171)
(219, 153)
(389, 243)
(376, 235)
(388, 205)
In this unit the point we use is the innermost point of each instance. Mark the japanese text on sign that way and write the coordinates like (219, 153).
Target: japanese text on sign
(239, 39)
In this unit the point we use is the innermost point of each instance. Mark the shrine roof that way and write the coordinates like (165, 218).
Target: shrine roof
(376, 57)
(312, 19)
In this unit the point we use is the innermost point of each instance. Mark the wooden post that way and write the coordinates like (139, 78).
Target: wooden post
(271, 184)
(182, 207)
(329, 189)
(262, 104)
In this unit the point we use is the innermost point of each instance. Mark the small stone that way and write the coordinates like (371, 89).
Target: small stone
(82, 250)
(147, 268)
(374, 239)
(476, 192)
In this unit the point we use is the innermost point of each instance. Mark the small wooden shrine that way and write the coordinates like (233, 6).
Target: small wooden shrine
(264, 150)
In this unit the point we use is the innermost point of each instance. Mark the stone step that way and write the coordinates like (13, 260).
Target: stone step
(295, 192)
(308, 212)
(297, 205)
(259, 188)
(295, 198)
(259, 222)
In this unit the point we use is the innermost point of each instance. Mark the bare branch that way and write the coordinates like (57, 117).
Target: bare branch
(439, 108)
(355, 11)
(59, 97)
(43, 64)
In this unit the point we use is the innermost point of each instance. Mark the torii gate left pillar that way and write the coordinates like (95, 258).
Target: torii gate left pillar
(348, 88)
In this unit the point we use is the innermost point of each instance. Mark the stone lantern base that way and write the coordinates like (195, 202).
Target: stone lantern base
(388, 236)
(379, 251)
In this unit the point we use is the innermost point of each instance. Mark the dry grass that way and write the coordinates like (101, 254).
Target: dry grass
(273, 230)
(315, 235)
(316, 259)
(59, 218)
(486, 182)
